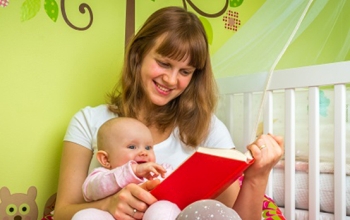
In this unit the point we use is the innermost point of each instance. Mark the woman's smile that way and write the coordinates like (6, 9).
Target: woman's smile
(162, 89)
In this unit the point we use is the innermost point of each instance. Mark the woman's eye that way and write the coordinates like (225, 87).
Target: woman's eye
(131, 147)
(186, 72)
(162, 64)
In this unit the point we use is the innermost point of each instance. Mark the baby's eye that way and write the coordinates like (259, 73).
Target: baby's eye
(132, 147)
(148, 147)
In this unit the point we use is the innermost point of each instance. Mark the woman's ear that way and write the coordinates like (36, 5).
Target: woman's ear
(102, 157)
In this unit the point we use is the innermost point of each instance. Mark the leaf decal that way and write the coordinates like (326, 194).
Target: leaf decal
(51, 9)
(208, 29)
(29, 9)
(235, 3)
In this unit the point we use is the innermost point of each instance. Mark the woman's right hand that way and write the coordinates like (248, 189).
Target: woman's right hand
(133, 197)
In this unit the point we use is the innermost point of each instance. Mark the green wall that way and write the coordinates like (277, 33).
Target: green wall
(48, 71)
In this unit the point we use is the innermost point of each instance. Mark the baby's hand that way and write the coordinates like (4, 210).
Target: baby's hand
(149, 170)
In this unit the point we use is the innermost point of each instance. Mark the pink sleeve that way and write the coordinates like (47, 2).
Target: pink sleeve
(102, 182)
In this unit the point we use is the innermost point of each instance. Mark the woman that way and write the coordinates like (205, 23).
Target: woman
(167, 83)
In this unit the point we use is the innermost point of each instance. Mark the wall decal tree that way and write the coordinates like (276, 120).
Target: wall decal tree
(130, 15)
(82, 8)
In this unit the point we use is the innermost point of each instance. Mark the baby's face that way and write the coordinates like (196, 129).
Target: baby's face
(132, 143)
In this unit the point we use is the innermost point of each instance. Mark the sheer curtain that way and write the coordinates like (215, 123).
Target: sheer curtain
(259, 42)
(263, 43)
(285, 34)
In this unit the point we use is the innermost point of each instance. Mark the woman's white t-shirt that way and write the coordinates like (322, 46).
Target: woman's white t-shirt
(84, 125)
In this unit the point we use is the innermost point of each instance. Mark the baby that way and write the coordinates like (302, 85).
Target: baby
(125, 152)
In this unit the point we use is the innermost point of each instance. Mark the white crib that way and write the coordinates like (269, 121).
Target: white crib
(309, 106)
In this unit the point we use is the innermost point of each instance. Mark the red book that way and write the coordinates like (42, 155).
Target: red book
(204, 175)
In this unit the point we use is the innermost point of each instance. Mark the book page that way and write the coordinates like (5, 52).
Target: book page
(227, 153)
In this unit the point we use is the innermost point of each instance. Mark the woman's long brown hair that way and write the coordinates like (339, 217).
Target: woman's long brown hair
(182, 36)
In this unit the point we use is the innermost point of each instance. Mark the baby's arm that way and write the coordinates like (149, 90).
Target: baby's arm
(149, 170)
(102, 182)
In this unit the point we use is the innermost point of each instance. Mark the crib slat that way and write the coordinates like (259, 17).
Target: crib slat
(289, 179)
(230, 113)
(339, 152)
(248, 117)
(314, 154)
(268, 128)
(268, 113)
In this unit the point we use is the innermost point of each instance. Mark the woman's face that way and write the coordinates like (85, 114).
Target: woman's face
(164, 79)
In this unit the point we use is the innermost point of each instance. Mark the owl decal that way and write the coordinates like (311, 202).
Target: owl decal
(18, 206)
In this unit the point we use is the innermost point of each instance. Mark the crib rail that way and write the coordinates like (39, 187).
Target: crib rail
(311, 78)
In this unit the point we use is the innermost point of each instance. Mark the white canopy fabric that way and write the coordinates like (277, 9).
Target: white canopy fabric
(261, 41)
(284, 31)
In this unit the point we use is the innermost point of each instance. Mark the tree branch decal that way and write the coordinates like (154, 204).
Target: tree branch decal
(199, 11)
(82, 10)
(129, 21)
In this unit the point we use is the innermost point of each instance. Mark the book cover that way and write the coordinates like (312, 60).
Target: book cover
(204, 175)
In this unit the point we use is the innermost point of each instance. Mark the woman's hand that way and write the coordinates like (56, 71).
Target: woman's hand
(267, 151)
(132, 201)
